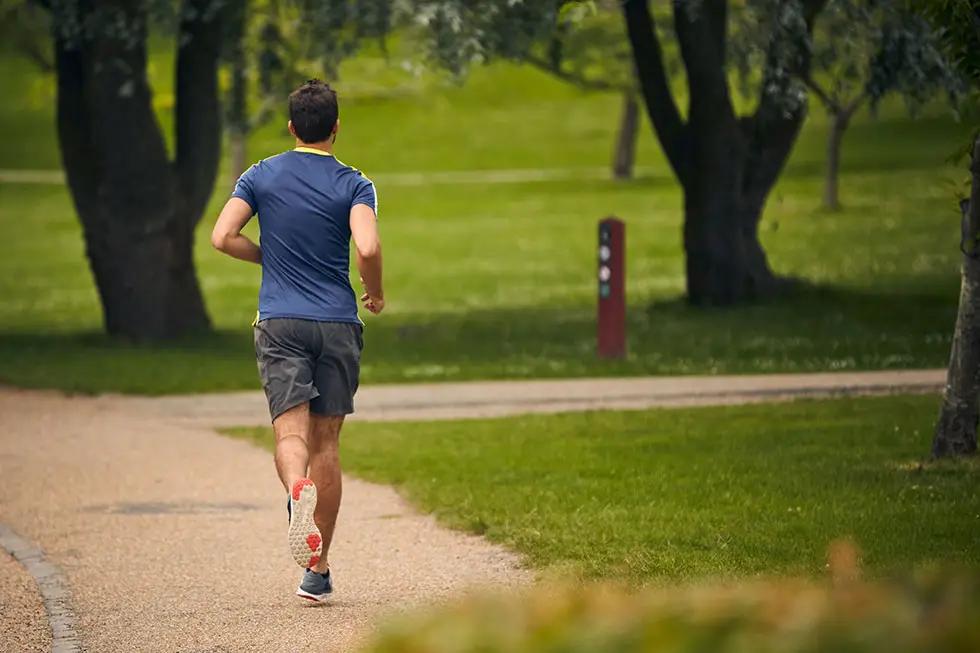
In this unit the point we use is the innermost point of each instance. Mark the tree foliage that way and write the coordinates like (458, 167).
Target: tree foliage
(588, 49)
(862, 51)
(959, 22)
(329, 31)
(24, 25)
(460, 33)
(958, 25)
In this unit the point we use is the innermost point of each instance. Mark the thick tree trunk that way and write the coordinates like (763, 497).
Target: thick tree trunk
(238, 118)
(838, 125)
(651, 72)
(237, 156)
(956, 430)
(726, 165)
(725, 261)
(138, 210)
(146, 279)
(197, 112)
(624, 155)
(138, 237)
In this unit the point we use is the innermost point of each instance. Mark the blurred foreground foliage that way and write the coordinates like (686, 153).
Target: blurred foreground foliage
(930, 610)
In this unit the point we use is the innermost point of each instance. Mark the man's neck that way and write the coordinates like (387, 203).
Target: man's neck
(323, 146)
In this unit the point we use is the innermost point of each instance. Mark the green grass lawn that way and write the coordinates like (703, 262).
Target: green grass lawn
(668, 495)
(498, 280)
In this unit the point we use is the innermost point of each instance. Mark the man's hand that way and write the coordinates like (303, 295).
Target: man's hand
(373, 304)
(364, 229)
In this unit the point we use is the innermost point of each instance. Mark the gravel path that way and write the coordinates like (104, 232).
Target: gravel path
(23, 625)
(171, 537)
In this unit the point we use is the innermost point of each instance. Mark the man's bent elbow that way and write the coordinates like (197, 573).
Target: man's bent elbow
(219, 241)
(369, 252)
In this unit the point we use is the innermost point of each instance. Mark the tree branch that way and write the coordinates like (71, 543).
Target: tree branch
(125, 131)
(770, 132)
(811, 9)
(855, 104)
(974, 9)
(718, 22)
(578, 81)
(655, 86)
(702, 46)
(17, 26)
(844, 111)
(30, 50)
(81, 159)
(197, 111)
(263, 115)
(821, 94)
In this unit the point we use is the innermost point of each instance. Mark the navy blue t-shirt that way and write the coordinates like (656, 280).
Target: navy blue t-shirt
(303, 199)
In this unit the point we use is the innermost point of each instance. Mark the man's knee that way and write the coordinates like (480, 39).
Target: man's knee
(326, 428)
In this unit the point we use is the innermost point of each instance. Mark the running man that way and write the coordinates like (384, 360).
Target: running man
(308, 336)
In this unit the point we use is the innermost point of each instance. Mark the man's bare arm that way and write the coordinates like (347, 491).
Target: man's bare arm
(367, 243)
(227, 235)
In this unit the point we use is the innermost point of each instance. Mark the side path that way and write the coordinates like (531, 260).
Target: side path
(500, 398)
(172, 538)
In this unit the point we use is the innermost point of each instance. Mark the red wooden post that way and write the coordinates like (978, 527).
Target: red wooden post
(612, 288)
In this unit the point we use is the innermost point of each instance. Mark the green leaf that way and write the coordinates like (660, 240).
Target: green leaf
(574, 12)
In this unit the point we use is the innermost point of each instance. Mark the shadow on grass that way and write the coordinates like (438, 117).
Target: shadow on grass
(814, 329)
(91, 363)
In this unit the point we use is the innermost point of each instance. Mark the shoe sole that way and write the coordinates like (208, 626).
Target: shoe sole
(316, 598)
(305, 542)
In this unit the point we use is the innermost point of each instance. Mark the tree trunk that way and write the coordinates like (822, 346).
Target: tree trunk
(146, 279)
(838, 126)
(629, 125)
(197, 111)
(238, 118)
(726, 165)
(237, 156)
(956, 430)
(138, 241)
(725, 261)
(138, 210)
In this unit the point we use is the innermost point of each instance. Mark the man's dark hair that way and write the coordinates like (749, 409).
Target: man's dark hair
(313, 110)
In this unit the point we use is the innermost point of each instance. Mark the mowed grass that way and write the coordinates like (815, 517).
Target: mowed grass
(667, 495)
(497, 280)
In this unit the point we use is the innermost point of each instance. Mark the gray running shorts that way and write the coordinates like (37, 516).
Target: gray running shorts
(306, 361)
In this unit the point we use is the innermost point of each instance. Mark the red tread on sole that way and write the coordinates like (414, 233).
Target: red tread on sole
(299, 485)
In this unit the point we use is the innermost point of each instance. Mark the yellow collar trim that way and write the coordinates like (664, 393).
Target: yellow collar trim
(312, 150)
